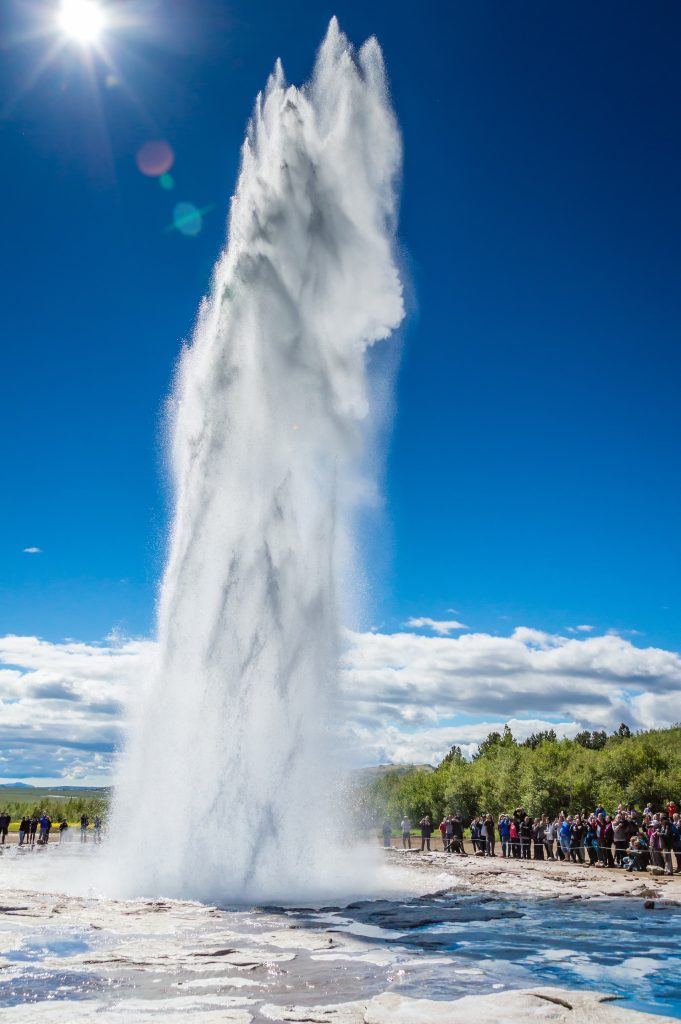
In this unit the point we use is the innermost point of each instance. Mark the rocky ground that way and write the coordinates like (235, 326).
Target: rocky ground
(540, 878)
(560, 1006)
(555, 1005)
(78, 958)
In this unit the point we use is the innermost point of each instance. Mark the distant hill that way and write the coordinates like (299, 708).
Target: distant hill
(66, 801)
(379, 771)
(55, 789)
(75, 789)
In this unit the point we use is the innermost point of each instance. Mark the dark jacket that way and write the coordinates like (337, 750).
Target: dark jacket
(666, 834)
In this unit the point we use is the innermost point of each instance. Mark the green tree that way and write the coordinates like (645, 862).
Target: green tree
(460, 791)
(536, 738)
(453, 755)
(544, 776)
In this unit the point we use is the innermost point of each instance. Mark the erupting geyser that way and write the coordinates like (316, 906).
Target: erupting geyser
(271, 411)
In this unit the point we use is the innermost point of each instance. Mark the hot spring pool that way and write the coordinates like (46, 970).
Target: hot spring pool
(61, 949)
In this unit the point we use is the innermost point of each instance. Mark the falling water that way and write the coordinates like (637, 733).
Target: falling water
(228, 758)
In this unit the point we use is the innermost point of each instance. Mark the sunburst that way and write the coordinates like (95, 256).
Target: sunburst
(82, 21)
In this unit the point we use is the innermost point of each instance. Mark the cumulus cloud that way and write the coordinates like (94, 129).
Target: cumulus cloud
(32, 551)
(61, 711)
(435, 625)
(400, 687)
(404, 696)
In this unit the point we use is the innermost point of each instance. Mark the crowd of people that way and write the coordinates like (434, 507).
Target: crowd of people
(628, 839)
(35, 830)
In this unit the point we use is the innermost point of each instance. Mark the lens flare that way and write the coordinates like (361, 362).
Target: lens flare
(81, 20)
(155, 158)
(187, 218)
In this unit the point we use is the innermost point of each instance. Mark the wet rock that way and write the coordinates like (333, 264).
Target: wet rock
(217, 952)
(419, 913)
(340, 1013)
(560, 1006)
(143, 1011)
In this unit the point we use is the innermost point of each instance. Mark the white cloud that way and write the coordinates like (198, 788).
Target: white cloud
(405, 696)
(400, 687)
(32, 551)
(61, 704)
(436, 626)
(428, 746)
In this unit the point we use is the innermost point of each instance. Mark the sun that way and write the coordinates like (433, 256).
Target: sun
(81, 20)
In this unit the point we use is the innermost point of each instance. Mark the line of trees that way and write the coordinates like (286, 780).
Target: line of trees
(543, 774)
(71, 808)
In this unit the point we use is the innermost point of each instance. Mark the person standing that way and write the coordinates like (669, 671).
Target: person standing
(387, 834)
(34, 829)
(577, 840)
(405, 825)
(620, 835)
(482, 836)
(539, 836)
(48, 826)
(449, 833)
(676, 826)
(97, 825)
(605, 840)
(457, 836)
(591, 842)
(426, 827)
(4, 826)
(24, 829)
(665, 834)
(480, 840)
(84, 824)
(514, 837)
(549, 836)
(62, 830)
(504, 834)
(564, 837)
(526, 829)
(43, 828)
(491, 838)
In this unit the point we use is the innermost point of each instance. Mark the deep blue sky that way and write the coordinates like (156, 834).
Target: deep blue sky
(533, 473)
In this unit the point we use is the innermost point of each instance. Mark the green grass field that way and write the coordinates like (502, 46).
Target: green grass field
(60, 802)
